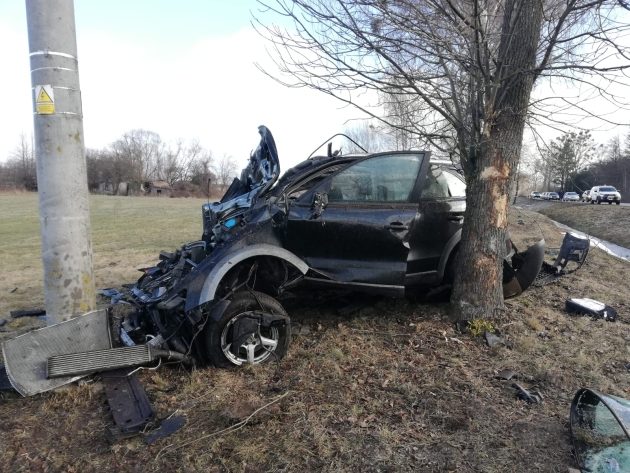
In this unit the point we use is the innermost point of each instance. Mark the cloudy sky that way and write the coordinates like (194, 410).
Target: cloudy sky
(184, 69)
(187, 69)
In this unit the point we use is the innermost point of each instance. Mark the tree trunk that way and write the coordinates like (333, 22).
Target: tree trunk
(478, 289)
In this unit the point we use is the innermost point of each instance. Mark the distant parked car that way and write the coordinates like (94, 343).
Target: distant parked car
(553, 196)
(608, 194)
(586, 196)
(534, 195)
(570, 197)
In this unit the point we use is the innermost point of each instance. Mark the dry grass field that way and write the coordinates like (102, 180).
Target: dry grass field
(608, 222)
(388, 386)
(127, 233)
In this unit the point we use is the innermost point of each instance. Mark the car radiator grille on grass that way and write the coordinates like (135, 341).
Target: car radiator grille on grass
(100, 360)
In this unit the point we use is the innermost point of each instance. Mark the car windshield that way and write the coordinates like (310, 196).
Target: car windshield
(570, 193)
(555, 194)
(607, 189)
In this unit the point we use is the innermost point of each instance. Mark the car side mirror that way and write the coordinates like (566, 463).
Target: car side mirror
(320, 201)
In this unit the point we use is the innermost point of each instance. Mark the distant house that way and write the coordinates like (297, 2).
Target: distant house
(156, 188)
(109, 188)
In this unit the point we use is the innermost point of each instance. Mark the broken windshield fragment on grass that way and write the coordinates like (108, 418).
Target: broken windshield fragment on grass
(599, 429)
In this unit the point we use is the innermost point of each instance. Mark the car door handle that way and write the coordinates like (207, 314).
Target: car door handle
(397, 226)
(456, 218)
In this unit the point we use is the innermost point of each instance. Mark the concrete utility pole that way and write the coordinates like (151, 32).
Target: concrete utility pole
(60, 152)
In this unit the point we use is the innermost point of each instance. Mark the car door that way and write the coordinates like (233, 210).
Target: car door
(361, 237)
(440, 218)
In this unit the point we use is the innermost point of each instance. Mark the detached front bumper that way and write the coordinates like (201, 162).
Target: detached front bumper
(523, 271)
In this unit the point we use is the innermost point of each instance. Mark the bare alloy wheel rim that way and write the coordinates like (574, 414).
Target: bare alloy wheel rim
(256, 349)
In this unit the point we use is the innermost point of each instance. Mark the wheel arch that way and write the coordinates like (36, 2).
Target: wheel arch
(234, 260)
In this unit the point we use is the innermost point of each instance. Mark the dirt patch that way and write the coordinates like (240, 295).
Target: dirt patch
(386, 386)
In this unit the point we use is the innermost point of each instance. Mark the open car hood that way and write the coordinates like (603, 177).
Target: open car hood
(260, 174)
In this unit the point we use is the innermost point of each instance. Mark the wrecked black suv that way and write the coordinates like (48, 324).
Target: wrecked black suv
(387, 223)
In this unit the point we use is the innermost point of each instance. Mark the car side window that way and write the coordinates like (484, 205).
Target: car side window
(441, 184)
(388, 178)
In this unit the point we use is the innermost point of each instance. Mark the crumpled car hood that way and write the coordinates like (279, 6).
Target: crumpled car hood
(260, 174)
(258, 177)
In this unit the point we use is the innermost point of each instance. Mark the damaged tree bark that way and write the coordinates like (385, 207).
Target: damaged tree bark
(490, 168)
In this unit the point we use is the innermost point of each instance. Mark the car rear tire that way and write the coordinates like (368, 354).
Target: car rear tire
(599, 202)
(262, 345)
(618, 202)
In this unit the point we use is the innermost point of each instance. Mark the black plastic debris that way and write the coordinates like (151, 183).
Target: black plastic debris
(592, 308)
(600, 426)
(574, 250)
(5, 384)
(167, 427)
(27, 313)
(114, 295)
(128, 402)
(531, 397)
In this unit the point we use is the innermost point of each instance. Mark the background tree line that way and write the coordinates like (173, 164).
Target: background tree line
(137, 157)
(575, 162)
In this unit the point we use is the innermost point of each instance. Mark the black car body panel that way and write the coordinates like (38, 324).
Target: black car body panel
(386, 223)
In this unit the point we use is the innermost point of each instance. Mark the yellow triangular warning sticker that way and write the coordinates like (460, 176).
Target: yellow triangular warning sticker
(44, 100)
(43, 97)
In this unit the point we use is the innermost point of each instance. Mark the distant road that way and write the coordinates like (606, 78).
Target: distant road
(535, 204)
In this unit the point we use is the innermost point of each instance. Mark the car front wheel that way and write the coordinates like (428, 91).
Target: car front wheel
(254, 328)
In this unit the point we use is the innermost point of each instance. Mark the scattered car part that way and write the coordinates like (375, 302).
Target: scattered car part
(90, 362)
(592, 308)
(26, 356)
(574, 250)
(524, 269)
(113, 294)
(128, 403)
(531, 397)
(600, 431)
(27, 313)
(167, 427)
